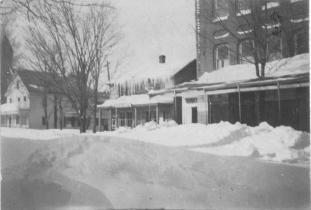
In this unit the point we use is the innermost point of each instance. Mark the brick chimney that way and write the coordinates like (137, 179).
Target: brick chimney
(162, 59)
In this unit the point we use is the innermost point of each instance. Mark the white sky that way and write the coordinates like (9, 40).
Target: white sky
(151, 28)
(154, 27)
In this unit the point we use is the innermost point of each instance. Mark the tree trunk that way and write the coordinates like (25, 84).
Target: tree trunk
(55, 112)
(45, 109)
(94, 118)
(82, 118)
(61, 117)
(263, 65)
(257, 69)
(94, 110)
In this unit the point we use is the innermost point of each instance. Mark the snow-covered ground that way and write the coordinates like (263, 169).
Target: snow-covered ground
(280, 144)
(106, 172)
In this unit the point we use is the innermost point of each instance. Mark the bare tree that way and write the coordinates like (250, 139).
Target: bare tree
(71, 44)
(255, 22)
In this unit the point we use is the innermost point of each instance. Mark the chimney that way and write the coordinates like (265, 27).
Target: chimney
(162, 59)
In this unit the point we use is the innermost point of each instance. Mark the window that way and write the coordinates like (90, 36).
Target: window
(18, 99)
(129, 119)
(25, 98)
(301, 42)
(275, 48)
(17, 84)
(243, 5)
(10, 99)
(122, 119)
(220, 8)
(246, 51)
(17, 119)
(221, 56)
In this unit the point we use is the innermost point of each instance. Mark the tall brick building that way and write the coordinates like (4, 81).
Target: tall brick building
(216, 48)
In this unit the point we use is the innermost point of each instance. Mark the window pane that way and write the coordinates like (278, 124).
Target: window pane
(301, 42)
(221, 8)
(275, 48)
(246, 51)
(243, 4)
(222, 56)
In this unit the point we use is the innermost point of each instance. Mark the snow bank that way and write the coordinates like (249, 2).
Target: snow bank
(35, 134)
(281, 144)
(287, 66)
(94, 172)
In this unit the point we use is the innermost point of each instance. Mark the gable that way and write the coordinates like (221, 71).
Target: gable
(17, 86)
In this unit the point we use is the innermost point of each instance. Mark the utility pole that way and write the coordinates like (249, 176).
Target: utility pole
(108, 72)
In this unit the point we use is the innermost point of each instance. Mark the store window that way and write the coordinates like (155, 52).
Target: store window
(243, 5)
(221, 56)
(275, 48)
(221, 8)
(129, 119)
(301, 42)
(122, 119)
(246, 48)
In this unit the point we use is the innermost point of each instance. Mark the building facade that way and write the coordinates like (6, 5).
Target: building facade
(32, 103)
(132, 104)
(224, 29)
(222, 41)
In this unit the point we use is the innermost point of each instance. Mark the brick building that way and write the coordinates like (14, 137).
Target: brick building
(224, 28)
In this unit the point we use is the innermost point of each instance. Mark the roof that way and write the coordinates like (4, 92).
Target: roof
(186, 73)
(298, 64)
(35, 81)
(298, 80)
(137, 100)
(152, 70)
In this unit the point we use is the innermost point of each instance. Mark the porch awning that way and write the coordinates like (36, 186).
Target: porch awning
(137, 100)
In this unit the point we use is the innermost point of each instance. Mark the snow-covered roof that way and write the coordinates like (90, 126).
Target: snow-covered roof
(298, 64)
(151, 70)
(137, 100)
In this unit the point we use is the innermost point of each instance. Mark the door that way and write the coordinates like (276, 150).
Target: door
(10, 121)
(194, 114)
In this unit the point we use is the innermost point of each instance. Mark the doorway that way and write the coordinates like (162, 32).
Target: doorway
(194, 114)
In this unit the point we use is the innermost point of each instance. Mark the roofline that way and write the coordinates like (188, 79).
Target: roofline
(288, 79)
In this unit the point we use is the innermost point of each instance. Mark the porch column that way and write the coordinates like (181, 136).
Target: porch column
(240, 109)
(279, 103)
(99, 118)
(135, 116)
(157, 113)
(117, 123)
(149, 110)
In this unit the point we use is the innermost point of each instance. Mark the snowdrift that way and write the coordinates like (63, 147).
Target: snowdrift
(100, 172)
(281, 144)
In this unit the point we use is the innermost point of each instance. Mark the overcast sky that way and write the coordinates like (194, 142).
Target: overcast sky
(154, 27)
